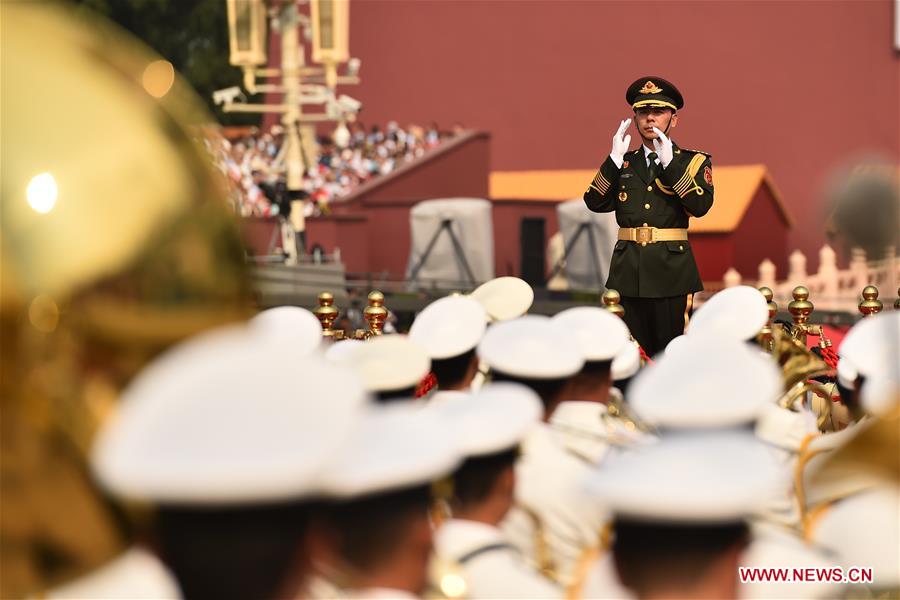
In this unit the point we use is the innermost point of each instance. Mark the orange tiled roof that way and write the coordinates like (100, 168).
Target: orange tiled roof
(735, 188)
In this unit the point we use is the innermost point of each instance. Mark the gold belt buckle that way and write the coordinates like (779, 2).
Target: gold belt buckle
(644, 235)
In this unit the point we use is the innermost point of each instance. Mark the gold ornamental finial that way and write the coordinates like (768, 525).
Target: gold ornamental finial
(773, 307)
(611, 300)
(765, 335)
(800, 308)
(870, 304)
(327, 314)
(897, 301)
(375, 313)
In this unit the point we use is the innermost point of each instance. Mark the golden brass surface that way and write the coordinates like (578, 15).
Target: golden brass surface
(870, 304)
(611, 301)
(116, 243)
(375, 313)
(650, 235)
(327, 313)
(765, 337)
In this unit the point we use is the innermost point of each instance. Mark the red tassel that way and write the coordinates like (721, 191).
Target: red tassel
(428, 383)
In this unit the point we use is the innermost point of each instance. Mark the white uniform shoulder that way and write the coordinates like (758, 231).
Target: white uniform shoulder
(491, 567)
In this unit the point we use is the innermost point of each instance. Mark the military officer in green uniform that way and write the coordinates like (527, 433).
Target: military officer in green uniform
(654, 191)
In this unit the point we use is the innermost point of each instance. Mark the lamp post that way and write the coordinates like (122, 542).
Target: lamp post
(328, 30)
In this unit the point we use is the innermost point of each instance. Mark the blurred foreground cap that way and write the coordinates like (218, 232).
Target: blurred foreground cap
(737, 313)
(710, 382)
(690, 477)
(626, 363)
(295, 325)
(504, 298)
(228, 417)
(492, 419)
(341, 351)
(449, 326)
(599, 333)
(397, 445)
(531, 347)
(871, 349)
(389, 362)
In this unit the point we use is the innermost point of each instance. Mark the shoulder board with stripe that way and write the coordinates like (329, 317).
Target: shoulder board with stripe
(706, 154)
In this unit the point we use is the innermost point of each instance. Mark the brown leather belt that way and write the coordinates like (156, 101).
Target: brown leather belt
(651, 235)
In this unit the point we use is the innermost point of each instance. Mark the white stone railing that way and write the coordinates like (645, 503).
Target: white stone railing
(830, 288)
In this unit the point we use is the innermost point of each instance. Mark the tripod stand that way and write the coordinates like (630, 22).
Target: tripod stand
(592, 243)
(446, 225)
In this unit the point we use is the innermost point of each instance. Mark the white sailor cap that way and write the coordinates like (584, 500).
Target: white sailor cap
(713, 476)
(492, 419)
(710, 383)
(504, 298)
(531, 347)
(872, 346)
(340, 351)
(389, 362)
(879, 395)
(449, 326)
(227, 417)
(626, 362)
(397, 446)
(736, 313)
(295, 324)
(600, 333)
(675, 345)
(863, 530)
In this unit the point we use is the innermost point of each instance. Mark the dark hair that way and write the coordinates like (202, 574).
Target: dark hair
(232, 552)
(370, 530)
(473, 481)
(649, 555)
(387, 396)
(593, 373)
(451, 372)
(547, 389)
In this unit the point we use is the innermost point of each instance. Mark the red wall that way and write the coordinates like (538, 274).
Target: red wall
(762, 234)
(799, 86)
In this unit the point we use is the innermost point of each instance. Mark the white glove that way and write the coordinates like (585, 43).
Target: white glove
(620, 143)
(663, 148)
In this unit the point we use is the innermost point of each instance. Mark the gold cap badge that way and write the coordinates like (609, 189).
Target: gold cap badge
(650, 88)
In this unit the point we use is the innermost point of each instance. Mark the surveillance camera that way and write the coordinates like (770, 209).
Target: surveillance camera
(353, 66)
(348, 104)
(227, 95)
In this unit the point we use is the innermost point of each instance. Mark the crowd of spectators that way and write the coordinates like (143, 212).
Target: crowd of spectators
(253, 166)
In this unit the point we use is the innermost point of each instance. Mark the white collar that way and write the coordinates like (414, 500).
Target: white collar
(379, 593)
(457, 537)
(647, 152)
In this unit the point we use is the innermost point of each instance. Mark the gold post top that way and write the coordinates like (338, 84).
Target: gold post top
(375, 313)
(326, 313)
(897, 301)
(801, 307)
(870, 304)
(611, 300)
(768, 294)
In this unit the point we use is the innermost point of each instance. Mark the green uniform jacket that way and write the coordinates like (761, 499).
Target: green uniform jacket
(681, 191)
